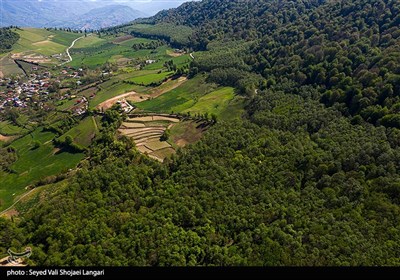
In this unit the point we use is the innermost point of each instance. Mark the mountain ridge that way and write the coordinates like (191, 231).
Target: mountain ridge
(77, 15)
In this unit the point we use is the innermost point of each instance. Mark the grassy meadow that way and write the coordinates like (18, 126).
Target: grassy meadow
(33, 164)
(42, 41)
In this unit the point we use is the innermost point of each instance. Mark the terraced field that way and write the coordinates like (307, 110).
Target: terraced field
(146, 131)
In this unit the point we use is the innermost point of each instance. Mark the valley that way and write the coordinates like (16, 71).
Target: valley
(222, 133)
(58, 84)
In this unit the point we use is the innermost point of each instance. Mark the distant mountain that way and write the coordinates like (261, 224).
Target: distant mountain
(74, 14)
(105, 17)
(152, 7)
(39, 14)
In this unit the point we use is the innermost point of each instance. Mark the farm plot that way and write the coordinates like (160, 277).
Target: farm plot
(9, 67)
(151, 78)
(146, 132)
(83, 133)
(37, 160)
(44, 42)
(8, 129)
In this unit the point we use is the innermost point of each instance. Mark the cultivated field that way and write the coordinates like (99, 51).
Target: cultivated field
(8, 129)
(107, 92)
(148, 79)
(146, 131)
(129, 41)
(9, 67)
(83, 133)
(197, 97)
(36, 45)
(217, 102)
(33, 164)
(42, 41)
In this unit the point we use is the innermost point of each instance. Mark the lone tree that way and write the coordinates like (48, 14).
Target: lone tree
(165, 135)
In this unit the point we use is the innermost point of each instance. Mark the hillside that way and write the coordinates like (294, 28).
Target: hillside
(290, 111)
(7, 39)
(34, 45)
(348, 51)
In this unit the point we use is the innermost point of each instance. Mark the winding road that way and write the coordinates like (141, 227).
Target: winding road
(67, 51)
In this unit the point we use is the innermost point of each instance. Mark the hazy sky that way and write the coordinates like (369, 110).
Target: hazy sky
(149, 6)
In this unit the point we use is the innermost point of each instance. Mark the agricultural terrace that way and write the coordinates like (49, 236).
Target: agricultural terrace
(159, 136)
(146, 131)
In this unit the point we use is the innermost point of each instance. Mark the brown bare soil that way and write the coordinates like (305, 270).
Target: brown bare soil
(133, 125)
(146, 136)
(141, 130)
(31, 58)
(186, 133)
(175, 54)
(10, 213)
(137, 97)
(134, 96)
(182, 143)
(6, 138)
(145, 140)
(161, 118)
(123, 61)
(146, 131)
(156, 158)
(142, 119)
(144, 149)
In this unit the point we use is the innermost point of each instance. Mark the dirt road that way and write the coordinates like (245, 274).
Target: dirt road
(67, 51)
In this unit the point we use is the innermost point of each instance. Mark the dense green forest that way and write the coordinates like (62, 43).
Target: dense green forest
(348, 50)
(7, 39)
(309, 175)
